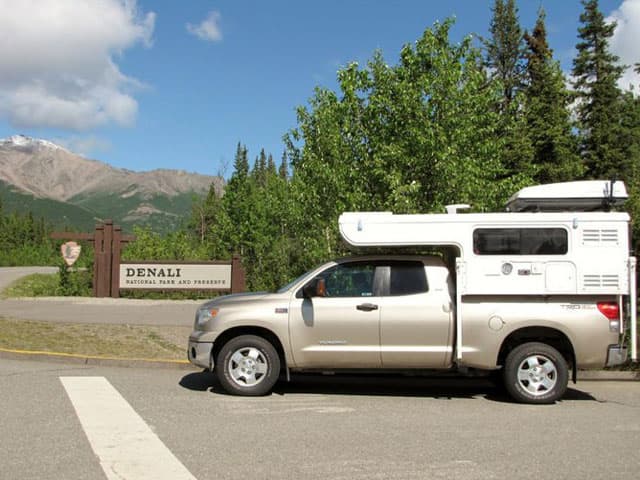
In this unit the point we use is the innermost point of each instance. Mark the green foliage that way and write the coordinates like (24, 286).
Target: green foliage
(505, 50)
(596, 75)
(150, 245)
(546, 111)
(67, 282)
(406, 138)
(35, 285)
(73, 282)
(24, 240)
(630, 139)
(252, 219)
(505, 61)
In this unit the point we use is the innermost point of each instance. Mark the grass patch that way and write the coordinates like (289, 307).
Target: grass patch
(36, 285)
(117, 341)
(76, 283)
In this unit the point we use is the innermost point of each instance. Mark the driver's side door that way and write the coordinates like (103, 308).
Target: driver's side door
(338, 326)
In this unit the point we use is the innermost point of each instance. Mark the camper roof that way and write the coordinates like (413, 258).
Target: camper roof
(587, 195)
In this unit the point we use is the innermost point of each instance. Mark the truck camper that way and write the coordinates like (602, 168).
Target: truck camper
(533, 294)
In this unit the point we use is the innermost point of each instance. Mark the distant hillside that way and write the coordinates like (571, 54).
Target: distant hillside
(45, 178)
(59, 214)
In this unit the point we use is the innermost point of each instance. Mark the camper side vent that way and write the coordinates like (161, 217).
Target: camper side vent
(596, 237)
(600, 281)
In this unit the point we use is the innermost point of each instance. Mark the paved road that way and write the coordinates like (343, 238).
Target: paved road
(93, 310)
(102, 310)
(325, 427)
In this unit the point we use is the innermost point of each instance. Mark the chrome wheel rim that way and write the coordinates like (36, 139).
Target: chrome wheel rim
(537, 375)
(247, 366)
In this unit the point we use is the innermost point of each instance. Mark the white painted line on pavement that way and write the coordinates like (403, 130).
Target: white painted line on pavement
(124, 443)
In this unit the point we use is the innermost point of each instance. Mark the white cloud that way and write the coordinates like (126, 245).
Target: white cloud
(208, 29)
(626, 39)
(58, 61)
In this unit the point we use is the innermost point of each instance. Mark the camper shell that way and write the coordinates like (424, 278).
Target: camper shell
(555, 240)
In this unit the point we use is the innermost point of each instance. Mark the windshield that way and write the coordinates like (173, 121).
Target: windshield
(292, 283)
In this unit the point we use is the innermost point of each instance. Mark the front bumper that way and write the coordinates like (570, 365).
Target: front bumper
(199, 353)
(616, 355)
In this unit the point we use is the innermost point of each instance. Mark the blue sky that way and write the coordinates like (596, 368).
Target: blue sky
(176, 84)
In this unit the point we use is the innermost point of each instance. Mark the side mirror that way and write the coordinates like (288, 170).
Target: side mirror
(315, 288)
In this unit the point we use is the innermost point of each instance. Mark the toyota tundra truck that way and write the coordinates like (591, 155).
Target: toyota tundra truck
(533, 295)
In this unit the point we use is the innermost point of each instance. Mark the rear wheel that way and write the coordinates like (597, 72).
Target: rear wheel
(248, 365)
(536, 373)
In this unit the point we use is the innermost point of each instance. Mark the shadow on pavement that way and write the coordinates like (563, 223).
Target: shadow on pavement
(198, 381)
(444, 388)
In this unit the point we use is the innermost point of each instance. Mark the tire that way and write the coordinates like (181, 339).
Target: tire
(536, 373)
(248, 365)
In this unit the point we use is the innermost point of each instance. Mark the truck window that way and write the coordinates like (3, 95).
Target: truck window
(520, 241)
(349, 280)
(407, 278)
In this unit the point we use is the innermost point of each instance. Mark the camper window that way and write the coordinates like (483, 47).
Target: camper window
(520, 241)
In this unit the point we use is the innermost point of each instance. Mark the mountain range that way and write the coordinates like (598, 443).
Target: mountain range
(70, 190)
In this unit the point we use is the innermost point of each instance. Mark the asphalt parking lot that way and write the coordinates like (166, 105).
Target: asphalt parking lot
(316, 427)
(321, 427)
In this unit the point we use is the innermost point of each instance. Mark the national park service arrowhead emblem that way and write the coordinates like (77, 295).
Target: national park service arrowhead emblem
(70, 252)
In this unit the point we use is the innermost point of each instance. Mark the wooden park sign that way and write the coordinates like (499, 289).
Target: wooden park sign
(178, 275)
(110, 274)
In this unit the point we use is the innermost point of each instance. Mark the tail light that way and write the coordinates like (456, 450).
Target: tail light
(611, 310)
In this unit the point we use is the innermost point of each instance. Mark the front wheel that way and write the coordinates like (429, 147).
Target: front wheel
(248, 365)
(536, 373)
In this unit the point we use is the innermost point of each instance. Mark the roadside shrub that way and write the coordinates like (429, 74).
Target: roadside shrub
(73, 282)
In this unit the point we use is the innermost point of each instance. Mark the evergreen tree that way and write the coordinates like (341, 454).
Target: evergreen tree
(283, 170)
(630, 139)
(241, 163)
(505, 49)
(505, 60)
(271, 166)
(260, 168)
(546, 110)
(599, 110)
(235, 202)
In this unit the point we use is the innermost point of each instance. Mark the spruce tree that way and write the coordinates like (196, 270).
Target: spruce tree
(505, 62)
(283, 170)
(241, 162)
(235, 201)
(596, 75)
(505, 49)
(259, 172)
(271, 167)
(546, 109)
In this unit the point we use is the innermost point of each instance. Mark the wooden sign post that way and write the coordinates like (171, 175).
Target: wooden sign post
(107, 242)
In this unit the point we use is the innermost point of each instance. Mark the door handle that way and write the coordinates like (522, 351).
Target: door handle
(367, 307)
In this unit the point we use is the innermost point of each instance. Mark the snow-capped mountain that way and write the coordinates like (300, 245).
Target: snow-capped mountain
(45, 170)
(28, 143)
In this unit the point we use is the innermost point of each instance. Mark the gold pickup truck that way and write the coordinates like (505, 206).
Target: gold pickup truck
(397, 314)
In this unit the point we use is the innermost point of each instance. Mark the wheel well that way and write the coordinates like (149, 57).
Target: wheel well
(550, 336)
(268, 335)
